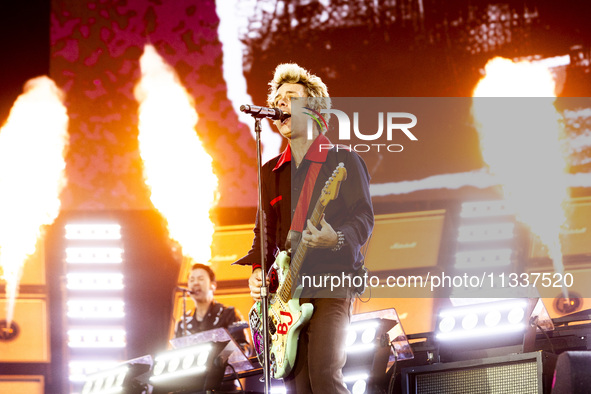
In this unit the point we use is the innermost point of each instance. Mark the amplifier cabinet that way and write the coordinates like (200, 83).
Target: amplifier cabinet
(31, 343)
(525, 373)
(22, 384)
(405, 241)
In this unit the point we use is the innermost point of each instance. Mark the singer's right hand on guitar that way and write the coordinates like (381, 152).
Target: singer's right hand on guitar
(255, 282)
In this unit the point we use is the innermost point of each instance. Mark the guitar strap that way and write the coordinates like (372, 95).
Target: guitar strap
(298, 221)
(317, 157)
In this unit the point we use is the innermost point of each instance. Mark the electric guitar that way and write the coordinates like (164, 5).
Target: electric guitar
(286, 316)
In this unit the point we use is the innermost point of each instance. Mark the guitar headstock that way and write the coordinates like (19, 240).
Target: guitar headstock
(333, 184)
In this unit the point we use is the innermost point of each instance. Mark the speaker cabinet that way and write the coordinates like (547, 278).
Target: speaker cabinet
(526, 373)
(30, 342)
(22, 384)
(405, 241)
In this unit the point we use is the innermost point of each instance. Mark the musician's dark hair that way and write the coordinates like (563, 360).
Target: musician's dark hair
(206, 268)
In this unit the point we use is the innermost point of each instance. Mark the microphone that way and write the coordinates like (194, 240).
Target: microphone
(264, 112)
(186, 290)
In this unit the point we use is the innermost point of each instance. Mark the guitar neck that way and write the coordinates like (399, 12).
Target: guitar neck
(299, 255)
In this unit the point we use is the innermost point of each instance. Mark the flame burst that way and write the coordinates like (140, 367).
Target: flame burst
(177, 169)
(33, 144)
(521, 141)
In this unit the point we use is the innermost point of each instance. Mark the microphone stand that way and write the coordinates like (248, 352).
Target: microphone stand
(264, 288)
(184, 318)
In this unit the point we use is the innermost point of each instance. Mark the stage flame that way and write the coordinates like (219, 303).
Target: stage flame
(177, 169)
(521, 139)
(33, 144)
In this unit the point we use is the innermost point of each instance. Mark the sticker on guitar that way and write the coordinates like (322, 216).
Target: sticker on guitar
(255, 325)
(282, 328)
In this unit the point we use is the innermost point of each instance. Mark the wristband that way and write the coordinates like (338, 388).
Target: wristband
(340, 241)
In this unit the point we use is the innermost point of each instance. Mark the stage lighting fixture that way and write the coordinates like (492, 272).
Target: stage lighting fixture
(489, 258)
(484, 209)
(490, 328)
(126, 378)
(93, 231)
(97, 338)
(357, 383)
(189, 369)
(486, 232)
(94, 255)
(93, 299)
(81, 369)
(93, 308)
(361, 336)
(93, 281)
(374, 341)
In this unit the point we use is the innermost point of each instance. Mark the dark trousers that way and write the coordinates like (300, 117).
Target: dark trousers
(321, 349)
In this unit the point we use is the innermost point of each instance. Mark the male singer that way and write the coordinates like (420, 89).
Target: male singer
(333, 247)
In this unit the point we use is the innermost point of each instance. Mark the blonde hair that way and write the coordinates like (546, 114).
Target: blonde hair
(293, 73)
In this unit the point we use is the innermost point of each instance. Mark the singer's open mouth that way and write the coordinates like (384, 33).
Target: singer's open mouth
(286, 116)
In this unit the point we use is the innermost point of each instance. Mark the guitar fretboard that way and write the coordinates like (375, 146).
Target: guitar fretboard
(299, 255)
